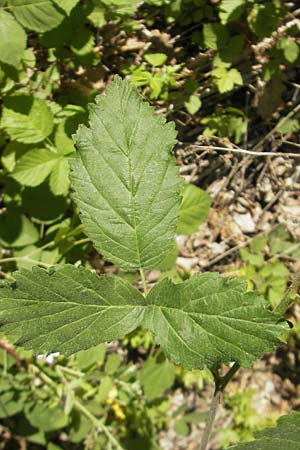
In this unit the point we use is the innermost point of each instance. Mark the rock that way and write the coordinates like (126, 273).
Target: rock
(245, 222)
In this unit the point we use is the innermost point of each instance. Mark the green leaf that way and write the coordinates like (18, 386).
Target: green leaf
(215, 35)
(193, 104)
(230, 10)
(290, 50)
(125, 180)
(66, 5)
(264, 18)
(207, 320)
(12, 152)
(68, 309)
(86, 358)
(16, 230)
(59, 179)
(11, 403)
(156, 378)
(286, 435)
(156, 59)
(181, 427)
(11, 49)
(227, 79)
(35, 166)
(193, 210)
(36, 15)
(26, 118)
(41, 204)
(46, 418)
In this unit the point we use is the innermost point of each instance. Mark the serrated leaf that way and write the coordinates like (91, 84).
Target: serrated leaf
(68, 309)
(286, 435)
(193, 210)
(11, 50)
(26, 119)
(125, 179)
(36, 15)
(207, 320)
(202, 322)
(35, 166)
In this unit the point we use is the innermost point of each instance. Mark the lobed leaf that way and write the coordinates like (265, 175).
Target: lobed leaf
(202, 322)
(286, 435)
(125, 179)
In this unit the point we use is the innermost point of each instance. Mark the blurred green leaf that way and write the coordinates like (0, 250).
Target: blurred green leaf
(12, 40)
(193, 210)
(26, 118)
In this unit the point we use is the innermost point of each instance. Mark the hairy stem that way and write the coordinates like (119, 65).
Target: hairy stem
(220, 383)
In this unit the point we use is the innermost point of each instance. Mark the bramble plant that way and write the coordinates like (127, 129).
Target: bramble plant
(126, 186)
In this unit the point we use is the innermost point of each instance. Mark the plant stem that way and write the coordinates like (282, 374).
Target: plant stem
(100, 426)
(144, 283)
(210, 420)
(220, 383)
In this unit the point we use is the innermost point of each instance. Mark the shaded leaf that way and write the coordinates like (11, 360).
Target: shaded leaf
(16, 230)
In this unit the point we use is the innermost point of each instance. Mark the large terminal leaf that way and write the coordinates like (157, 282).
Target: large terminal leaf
(67, 309)
(208, 320)
(125, 180)
(285, 436)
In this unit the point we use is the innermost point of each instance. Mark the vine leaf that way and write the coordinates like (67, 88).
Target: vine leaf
(208, 320)
(200, 323)
(125, 180)
(68, 309)
(286, 435)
